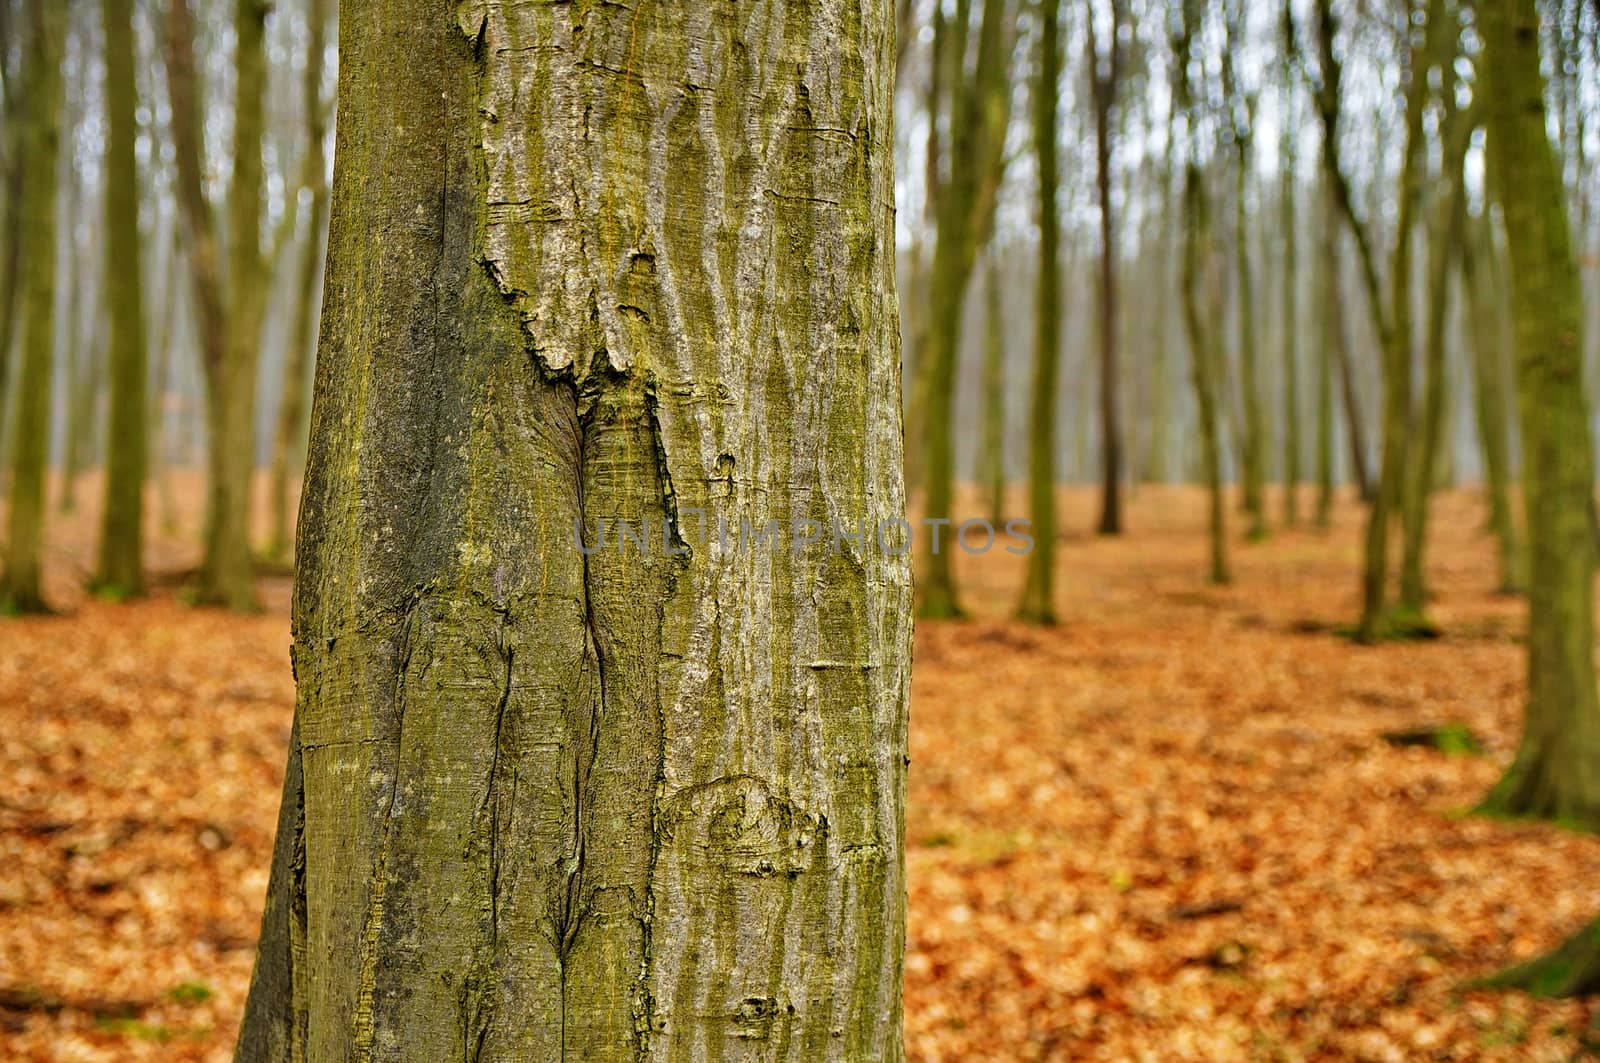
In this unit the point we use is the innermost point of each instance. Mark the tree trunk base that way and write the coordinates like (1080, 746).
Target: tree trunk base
(1571, 969)
(939, 604)
(23, 602)
(1529, 792)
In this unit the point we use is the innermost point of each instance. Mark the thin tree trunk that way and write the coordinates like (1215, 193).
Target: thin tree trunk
(1157, 467)
(11, 224)
(1291, 324)
(1487, 335)
(81, 375)
(1444, 242)
(1103, 86)
(1330, 343)
(1197, 251)
(992, 471)
(160, 469)
(1349, 389)
(1253, 451)
(291, 425)
(229, 314)
(1556, 773)
(645, 804)
(40, 136)
(121, 572)
(965, 208)
(1038, 593)
(916, 311)
(1392, 315)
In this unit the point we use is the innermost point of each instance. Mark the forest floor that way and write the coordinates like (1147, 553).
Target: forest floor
(1170, 828)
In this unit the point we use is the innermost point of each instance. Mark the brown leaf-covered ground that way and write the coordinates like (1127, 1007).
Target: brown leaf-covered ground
(1168, 829)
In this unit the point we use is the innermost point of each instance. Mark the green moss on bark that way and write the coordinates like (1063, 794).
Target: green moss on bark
(1556, 773)
(644, 803)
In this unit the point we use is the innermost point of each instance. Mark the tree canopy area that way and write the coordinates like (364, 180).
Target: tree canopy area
(470, 472)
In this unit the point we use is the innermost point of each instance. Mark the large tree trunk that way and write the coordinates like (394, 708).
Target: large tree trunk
(289, 437)
(1038, 593)
(1556, 773)
(593, 265)
(121, 570)
(40, 137)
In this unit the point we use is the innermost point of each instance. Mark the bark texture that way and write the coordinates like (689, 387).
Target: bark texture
(1556, 773)
(40, 138)
(591, 263)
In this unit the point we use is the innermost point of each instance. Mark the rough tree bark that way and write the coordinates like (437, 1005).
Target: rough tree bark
(121, 570)
(1556, 773)
(587, 265)
(1038, 592)
(39, 107)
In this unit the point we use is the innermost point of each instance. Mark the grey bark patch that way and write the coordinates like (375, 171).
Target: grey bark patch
(738, 824)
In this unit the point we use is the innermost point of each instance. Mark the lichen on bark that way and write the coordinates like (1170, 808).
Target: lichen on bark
(592, 263)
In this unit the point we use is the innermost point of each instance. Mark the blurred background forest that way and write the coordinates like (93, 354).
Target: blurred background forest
(1269, 316)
